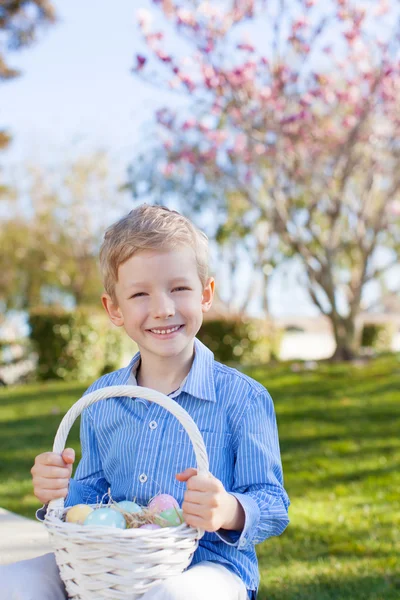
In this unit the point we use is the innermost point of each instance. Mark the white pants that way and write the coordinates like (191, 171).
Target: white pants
(38, 579)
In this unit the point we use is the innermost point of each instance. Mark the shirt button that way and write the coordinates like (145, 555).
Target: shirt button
(143, 478)
(153, 424)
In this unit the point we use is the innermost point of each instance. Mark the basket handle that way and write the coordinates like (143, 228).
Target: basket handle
(131, 391)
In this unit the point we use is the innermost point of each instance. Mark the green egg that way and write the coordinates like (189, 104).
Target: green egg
(172, 517)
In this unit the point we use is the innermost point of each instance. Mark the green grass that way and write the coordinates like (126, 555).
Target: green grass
(339, 430)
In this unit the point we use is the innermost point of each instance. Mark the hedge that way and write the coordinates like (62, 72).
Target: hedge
(377, 336)
(242, 341)
(74, 345)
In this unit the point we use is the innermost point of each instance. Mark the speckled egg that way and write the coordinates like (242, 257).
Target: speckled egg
(129, 507)
(150, 526)
(105, 517)
(78, 513)
(172, 517)
(162, 502)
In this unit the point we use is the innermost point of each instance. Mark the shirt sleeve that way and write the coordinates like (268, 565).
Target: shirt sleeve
(89, 485)
(258, 477)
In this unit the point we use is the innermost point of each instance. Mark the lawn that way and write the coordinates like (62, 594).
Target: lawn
(339, 430)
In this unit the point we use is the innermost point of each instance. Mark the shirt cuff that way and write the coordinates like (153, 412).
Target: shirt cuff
(79, 493)
(41, 512)
(243, 539)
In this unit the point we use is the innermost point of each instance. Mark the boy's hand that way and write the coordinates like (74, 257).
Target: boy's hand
(207, 505)
(51, 474)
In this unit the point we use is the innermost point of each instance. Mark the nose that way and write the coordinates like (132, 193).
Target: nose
(162, 307)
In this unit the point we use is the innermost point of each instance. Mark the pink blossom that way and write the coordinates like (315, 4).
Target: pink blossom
(240, 143)
(306, 100)
(167, 169)
(187, 81)
(140, 62)
(189, 124)
(155, 36)
(218, 137)
(185, 17)
(295, 117)
(299, 23)
(163, 56)
(248, 176)
(265, 93)
(188, 156)
(145, 19)
(349, 121)
(246, 46)
(343, 15)
(351, 35)
(394, 207)
(209, 47)
(204, 128)
(382, 8)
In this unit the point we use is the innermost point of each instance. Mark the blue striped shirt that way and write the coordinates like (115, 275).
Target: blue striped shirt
(135, 448)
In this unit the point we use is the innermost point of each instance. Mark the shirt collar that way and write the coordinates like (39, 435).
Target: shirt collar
(198, 383)
(200, 380)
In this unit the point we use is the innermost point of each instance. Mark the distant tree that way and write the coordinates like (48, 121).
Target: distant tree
(291, 134)
(51, 238)
(20, 21)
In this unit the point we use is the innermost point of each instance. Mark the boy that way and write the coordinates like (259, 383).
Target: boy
(154, 264)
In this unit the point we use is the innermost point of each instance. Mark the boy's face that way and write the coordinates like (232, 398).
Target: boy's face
(160, 291)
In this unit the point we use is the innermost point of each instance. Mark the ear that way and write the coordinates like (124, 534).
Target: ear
(113, 311)
(208, 295)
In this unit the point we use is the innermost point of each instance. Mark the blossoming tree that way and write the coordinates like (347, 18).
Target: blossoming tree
(290, 131)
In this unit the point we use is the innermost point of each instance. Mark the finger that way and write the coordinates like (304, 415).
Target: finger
(53, 484)
(50, 459)
(195, 497)
(202, 483)
(48, 472)
(197, 510)
(47, 495)
(195, 521)
(68, 455)
(186, 474)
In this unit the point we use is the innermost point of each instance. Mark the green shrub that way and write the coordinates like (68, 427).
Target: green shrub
(76, 345)
(242, 340)
(377, 336)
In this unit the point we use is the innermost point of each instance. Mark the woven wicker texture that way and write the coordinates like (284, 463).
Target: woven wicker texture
(116, 564)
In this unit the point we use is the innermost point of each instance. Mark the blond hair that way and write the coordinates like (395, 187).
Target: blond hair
(149, 228)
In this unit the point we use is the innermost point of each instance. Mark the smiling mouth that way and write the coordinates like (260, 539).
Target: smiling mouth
(166, 331)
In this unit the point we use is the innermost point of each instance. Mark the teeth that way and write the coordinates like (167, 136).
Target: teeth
(164, 331)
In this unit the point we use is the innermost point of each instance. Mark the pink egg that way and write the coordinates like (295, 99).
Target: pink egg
(150, 526)
(162, 502)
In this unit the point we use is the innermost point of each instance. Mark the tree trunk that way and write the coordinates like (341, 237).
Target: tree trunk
(346, 338)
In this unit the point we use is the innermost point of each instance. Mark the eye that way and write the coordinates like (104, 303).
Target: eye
(181, 288)
(138, 295)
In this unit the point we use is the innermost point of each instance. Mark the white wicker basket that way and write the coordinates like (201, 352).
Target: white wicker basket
(120, 564)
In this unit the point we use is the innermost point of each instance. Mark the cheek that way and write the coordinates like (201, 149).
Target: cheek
(189, 306)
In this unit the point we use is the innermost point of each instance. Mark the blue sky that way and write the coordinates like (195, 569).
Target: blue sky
(76, 87)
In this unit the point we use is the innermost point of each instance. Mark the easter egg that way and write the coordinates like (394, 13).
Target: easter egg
(78, 513)
(162, 502)
(172, 517)
(150, 526)
(129, 507)
(105, 517)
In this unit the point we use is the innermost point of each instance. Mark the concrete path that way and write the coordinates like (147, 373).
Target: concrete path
(21, 538)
